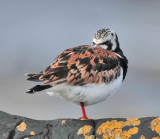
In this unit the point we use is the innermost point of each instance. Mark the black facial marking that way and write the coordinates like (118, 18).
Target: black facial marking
(105, 43)
(109, 46)
(108, 43)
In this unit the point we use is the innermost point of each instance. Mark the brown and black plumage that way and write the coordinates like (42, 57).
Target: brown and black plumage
(85, 67)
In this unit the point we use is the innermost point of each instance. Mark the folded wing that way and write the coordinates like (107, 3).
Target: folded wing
(79, 66)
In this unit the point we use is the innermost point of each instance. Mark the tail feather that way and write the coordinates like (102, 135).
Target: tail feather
(38, 88)
(33, 76)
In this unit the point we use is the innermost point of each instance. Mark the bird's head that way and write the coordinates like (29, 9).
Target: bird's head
(107, 39)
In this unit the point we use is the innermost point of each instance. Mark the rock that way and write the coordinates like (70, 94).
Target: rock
(17, 127)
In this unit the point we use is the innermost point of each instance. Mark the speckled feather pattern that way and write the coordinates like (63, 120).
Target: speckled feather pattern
(87, 73)
(80, 66)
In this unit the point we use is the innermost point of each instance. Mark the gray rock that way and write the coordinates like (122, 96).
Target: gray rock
(17, 127)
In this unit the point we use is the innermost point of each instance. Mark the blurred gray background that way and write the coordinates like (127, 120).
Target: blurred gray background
(34, 32)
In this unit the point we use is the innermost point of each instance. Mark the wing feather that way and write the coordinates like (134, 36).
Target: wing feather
(79, 66)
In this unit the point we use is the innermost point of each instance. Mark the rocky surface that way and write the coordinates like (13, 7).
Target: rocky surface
(17, 127)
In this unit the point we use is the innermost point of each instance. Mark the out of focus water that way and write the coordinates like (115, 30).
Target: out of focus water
(33, 33)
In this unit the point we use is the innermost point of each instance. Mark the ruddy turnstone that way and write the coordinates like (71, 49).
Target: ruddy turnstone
(86, 74)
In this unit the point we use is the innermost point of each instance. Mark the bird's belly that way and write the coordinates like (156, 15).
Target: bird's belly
(90, 93)
(97, 93)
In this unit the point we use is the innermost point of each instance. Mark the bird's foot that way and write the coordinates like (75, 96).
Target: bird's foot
(84, 118)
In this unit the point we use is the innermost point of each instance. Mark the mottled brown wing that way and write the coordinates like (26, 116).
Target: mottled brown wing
(57, 72)
(95, 65)
(79, 66)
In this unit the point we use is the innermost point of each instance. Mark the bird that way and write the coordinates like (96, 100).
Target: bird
(86, 74)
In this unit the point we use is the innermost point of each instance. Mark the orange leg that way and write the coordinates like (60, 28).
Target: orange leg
(84, 117)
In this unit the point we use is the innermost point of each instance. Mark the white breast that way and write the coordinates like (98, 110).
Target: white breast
(90, 93)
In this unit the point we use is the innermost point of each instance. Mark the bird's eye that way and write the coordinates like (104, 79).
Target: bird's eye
(93, 43)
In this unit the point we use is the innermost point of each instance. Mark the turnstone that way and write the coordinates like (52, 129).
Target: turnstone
(86, 74)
